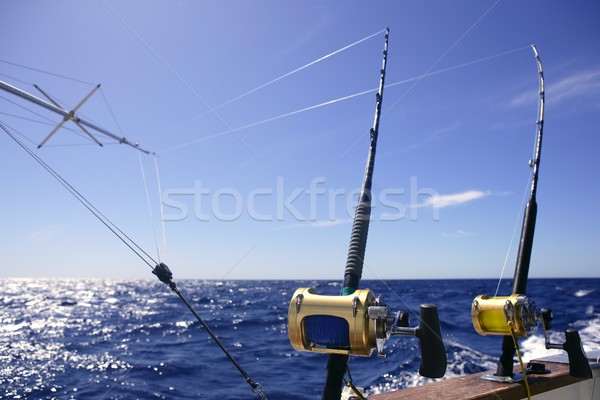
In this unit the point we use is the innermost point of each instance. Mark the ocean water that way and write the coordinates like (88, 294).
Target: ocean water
(109, 339)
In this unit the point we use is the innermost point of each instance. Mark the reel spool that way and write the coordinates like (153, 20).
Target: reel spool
(334, 324)
(358, 323)
(490, 315)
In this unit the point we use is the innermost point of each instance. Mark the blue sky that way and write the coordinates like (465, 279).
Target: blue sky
(237, 173)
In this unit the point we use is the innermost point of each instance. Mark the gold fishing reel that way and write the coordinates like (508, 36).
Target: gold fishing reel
(491, 315)
(334, 324)
(358, 323)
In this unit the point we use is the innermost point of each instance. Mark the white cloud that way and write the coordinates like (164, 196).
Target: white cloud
(524, 99)
(327, 224)
(45, 234)
(458, 233)
(579, 85)
(455, 199)
(436, 135)
(318, 224)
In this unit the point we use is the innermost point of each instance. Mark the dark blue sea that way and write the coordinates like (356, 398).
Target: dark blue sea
(110, 339)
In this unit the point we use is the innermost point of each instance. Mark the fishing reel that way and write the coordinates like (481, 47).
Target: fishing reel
(496, 315)
(491, 315)
(358, 323)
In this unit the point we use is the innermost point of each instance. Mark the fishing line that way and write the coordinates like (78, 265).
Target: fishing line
(15, 79)
(532, 161)
(133, 365)
(350, 382)
(23, 118)
(302, 67)
(23, 136)
(426, 72)
(149, 205)
(31, 111)
(162, 211)
(179, 78)
(37, 121)
(91, 144)
(460, 39)
(469, 63)
(51, 124)
(54, 96)
(47, 72)
(68, 116)
(265, 121)
(144, 180)
(239, 261)
(406, 305)
(111, 111)
(512, 239)
(523, 371)
(157, 341)
(160, 269)
(86, 203)
(278, 79)
(348, 97)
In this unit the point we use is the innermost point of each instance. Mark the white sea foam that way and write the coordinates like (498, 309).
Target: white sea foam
(590, 334)
(461, 361)
(583, 292)
(534, 346)
(184, 324)
(589, 331)
(589, 310)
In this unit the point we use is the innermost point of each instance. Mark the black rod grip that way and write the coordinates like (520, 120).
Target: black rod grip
(433, 351)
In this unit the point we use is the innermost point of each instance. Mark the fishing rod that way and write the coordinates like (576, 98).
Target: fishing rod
(336, 363)
(357, 322)
(516, 315)
(505, 364)
(164, 274)
(161, 270)
(68, 115)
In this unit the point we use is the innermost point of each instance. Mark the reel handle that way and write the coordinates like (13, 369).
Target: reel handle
(547, 318)
(579, 366)
(578, 363)
(433, 351)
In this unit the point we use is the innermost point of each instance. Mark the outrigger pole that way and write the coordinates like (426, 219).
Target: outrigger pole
(337, 363)
(505, 364)
(67, 115)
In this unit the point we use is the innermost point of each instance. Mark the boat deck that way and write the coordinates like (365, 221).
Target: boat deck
(473, 387)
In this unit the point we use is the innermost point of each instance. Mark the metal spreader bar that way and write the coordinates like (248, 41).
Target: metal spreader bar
(67, 115)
